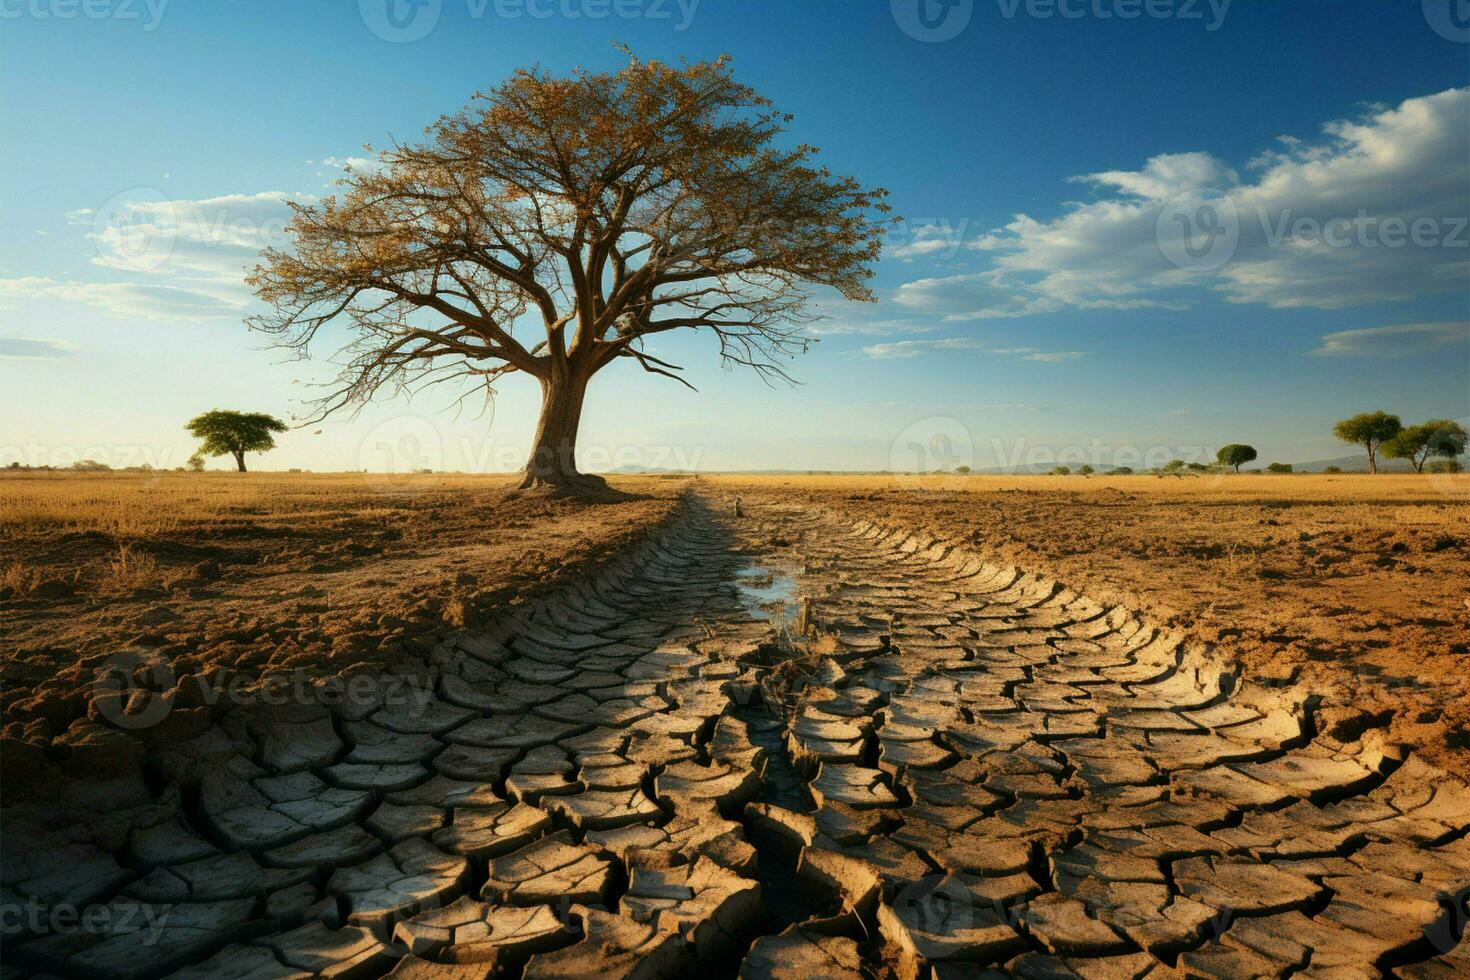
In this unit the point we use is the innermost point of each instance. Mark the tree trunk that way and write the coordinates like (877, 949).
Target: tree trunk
(1372, 459)
(553, 459)
(240, 459)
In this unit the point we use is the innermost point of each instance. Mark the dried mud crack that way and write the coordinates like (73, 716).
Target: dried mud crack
(773, 745)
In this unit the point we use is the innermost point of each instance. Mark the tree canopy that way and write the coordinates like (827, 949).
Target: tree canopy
(1236, 454)
(555, 224)
(1369, 430)
(235, 433)
(1417, 443)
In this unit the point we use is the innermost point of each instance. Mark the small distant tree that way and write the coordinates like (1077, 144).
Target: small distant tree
(195, 463)
(962, 470)
(235, 433)
(1235, 455)
(1369, 430)
(1333, 469)
(1417, 443)
(1061, 471)
(1086, 470)
(1279, 468)
(1122, 471)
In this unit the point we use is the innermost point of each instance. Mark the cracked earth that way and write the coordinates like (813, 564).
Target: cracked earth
(765, 744)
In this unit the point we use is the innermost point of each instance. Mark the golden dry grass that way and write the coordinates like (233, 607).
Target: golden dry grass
(141, 505)
(1343, 488)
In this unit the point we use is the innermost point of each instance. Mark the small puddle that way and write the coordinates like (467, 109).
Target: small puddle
(768, 594)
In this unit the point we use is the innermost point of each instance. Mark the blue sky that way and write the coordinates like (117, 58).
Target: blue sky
(1046, 156)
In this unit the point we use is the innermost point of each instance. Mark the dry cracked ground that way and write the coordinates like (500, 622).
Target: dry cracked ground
(767, 744)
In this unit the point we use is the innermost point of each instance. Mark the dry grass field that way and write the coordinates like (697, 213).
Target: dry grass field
(1356, 585)
(257, 572)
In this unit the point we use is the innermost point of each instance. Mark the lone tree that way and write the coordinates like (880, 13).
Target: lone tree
(556, 224)
(236, 433)
(1235, 455)
(1369, 430)
(1417, 443)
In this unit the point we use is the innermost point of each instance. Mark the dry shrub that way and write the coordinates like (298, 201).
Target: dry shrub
(457, 612)
(129, 570)
(18, 580)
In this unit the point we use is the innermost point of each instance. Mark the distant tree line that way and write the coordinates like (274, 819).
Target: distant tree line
(1433, 446)
(1437, 443)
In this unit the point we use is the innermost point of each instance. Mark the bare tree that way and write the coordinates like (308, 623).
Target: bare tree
(556, 223)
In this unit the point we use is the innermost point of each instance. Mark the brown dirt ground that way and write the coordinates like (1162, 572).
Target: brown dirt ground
(1353, 585)
(1356, 586)
(261, 573)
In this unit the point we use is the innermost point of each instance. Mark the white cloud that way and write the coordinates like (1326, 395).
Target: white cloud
(841, 326)
(1167, 175)
(148, 301)
(1397, 341)
(838, 316)
(1056, 357)
(32, 347)
(351, 163)
(188, 258)
(1376, 210)
(918, 348)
